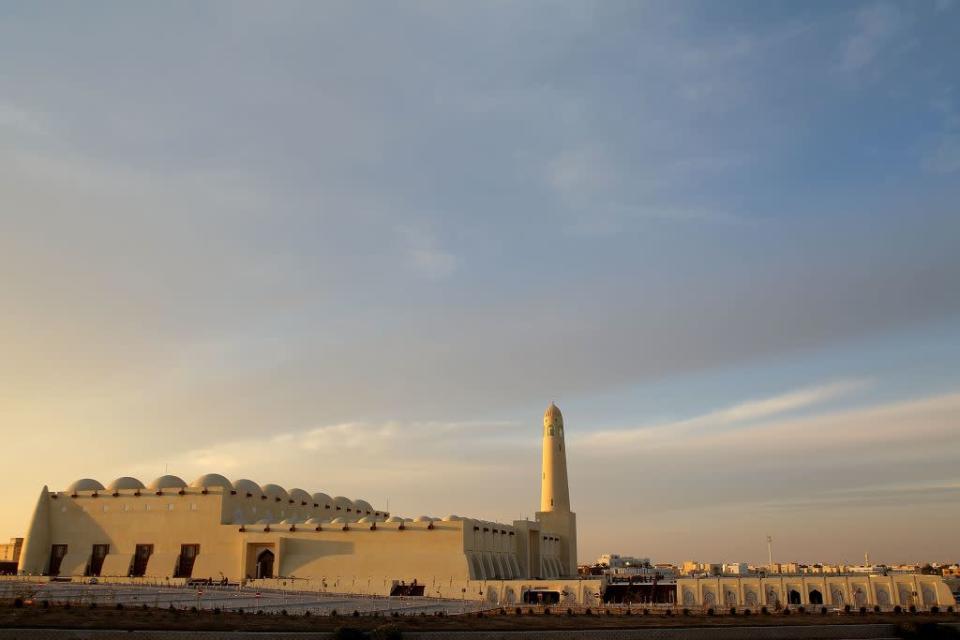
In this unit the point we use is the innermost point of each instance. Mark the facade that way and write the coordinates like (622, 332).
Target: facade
(904, 590)
(218, 529)
(10, 556)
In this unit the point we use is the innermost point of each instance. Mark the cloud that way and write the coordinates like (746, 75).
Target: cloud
(945, 158)
(875, 26)
(738, 414)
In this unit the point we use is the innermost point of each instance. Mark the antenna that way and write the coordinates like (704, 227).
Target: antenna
(769, 552)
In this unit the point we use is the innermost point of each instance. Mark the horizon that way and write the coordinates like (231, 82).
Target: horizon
(358, 249)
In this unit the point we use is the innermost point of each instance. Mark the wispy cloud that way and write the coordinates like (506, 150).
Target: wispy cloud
(739, 414)
(874, 28)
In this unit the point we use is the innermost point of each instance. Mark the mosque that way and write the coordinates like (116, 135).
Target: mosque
(213, 528)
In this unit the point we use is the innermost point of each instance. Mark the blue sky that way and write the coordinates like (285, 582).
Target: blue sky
(359, 247)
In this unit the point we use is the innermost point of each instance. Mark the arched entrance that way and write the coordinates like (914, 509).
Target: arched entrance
(816, 597)
(265, 564)
(793, 597)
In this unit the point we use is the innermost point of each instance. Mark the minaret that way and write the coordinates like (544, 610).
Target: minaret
(554, 492)
(555, 516)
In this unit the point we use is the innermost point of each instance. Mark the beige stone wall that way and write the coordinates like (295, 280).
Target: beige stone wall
(835, 591)
(11, 552)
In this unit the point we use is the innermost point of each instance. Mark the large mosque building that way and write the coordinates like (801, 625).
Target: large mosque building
(239, 530)
(213, 528)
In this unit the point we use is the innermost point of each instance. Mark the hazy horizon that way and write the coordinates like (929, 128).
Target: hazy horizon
(358, 248)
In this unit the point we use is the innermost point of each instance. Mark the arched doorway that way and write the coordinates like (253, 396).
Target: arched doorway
(816, 597)
(265, 564)
(793, 597)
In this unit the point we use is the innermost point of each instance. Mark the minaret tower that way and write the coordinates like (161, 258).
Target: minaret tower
(555, 515)
(554, 491)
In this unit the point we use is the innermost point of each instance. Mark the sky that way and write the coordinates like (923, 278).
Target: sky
(358, 248)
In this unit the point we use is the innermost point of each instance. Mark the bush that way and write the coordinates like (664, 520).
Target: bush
(546, 611)
(144, 606)
(646, 612)
(898, 609)
(934, 609)
(800, 609)
(386, 632)
(876, 608)
(45, 604)
(746, 612)
(668, 613)
(18, 603)
(93, 605)
(569, 612)
(119, 606)
(216, 611)
(348, 633)
(764, 611)
(846, 608)
(333, 613)
(710, 611)
(519, 611)
(823, 611)
(863, 611)
(913, 608)
(259, 612)
(950, 609)
(479, 614)
(686, 612)
(531, 611)
(171, 608)
(306, 614)
(733, 611)
(786, 611)
(283, 612)
(587, 612)
(355, 614)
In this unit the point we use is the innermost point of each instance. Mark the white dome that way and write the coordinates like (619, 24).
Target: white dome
(362, 506)
(317, 521)
(339, 521)
(301, 496)
(452, 518)
(343, 503)
(423, 519)
(322, 499)
(212, 480)
(85, 484)
(276, 492)
(126, 482)
(395, 519)
(167, 482)
(250, 487)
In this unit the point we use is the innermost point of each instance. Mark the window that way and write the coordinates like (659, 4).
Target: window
(141, 556)
(188, 556)
(100, 552)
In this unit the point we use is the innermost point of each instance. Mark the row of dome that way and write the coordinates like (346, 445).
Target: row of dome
(212, 480)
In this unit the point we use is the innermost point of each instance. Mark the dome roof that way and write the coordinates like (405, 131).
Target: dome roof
(452, 518)
(343, 503)
(322, 499)
(317, 521)
(212, 480)
(423, 519)
(367, 520)
(85, 484)
(339, 521)
(245, 486)
(126, 482)
(552, 416)
(167, 482)
(395, 519)
(276, 491)
(363, 506)
(299, 495)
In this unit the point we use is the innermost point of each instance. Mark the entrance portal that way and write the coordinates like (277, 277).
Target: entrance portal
(265, 564)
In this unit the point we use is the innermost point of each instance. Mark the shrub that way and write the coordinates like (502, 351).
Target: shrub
(259, 612)
(800, 609)
(934, 609)
(283, 612)
(45, 604)
(479, 614)
(93, 605)
(518, 611)
(668, 613)
(863, 611)
(333, 613)
(950, 609)
(710, 611)
(786, 611)
(686, 612)
(546, 611)
(746, 612)
(531, 611)
(386, 632)
(144, 606)
(587, 612)
(355, 614)
(119, 606)
(569, 612)
(18, 603)
(733, 611)
(348, 633)
(306, 614)
(764, 611)
(846, 608)
(216, 611)
(171, 608)
(876, 608)
(193, 610)
(913, 608)
(646, 612)
(823, 611)
(898, 609)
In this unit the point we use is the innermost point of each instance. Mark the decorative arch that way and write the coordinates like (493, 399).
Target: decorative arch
(793, 597)
(836, 596)
(773, 596)
(689, 599)
(709, 598)
(929, 595)
(750, 598)
(815, 596)
(729, 597)
(883, 597)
